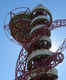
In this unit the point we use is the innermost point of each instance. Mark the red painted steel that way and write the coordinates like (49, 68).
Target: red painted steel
(49, 63)
(29, 40)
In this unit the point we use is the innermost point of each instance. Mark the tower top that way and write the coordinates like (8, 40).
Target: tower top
(40, 6)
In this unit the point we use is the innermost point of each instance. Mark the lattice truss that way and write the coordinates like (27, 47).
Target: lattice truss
(22, 62)
(51, 62)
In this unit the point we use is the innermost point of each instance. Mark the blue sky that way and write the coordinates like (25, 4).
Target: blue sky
(9, 51)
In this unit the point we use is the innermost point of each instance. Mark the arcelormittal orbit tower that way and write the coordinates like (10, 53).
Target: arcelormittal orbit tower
(32, 30)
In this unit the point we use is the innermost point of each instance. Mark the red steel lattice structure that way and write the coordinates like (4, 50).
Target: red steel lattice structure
(32, 29)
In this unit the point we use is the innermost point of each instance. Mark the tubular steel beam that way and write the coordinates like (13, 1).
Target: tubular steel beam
(58, 23)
